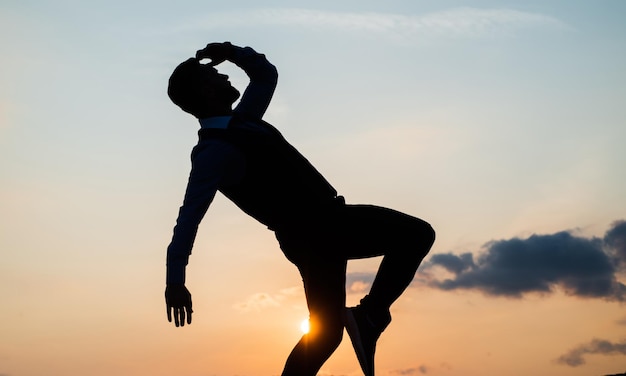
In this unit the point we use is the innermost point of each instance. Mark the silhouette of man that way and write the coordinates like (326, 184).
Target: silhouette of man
(248, 161)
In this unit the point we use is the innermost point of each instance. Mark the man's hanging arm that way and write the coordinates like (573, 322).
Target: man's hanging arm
(208, 171)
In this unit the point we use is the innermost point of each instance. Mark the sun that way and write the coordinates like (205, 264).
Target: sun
(304, 326)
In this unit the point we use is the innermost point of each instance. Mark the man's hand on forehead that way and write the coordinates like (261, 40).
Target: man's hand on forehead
(217, 52)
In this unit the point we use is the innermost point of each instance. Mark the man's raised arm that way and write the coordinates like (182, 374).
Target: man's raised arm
(263, 75)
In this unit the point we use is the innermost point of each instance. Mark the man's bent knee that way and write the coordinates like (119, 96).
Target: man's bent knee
(429, 235)
(325, 335)
(425, 238)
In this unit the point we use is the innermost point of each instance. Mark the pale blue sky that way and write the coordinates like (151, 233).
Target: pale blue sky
(489, 119)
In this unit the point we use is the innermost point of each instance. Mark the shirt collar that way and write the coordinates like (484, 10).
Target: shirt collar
(218, 122)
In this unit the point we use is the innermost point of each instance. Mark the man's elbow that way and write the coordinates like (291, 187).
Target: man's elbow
(270, 74)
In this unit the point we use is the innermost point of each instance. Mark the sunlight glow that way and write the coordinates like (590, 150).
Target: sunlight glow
(304, 326)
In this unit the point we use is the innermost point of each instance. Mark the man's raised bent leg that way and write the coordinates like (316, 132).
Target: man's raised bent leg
(403, 241)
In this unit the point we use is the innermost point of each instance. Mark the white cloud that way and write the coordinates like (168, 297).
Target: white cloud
(359, 287)
(257, 302)
(263, 300)
(456, 22)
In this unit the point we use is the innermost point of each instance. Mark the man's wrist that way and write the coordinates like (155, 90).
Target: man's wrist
(175, 274)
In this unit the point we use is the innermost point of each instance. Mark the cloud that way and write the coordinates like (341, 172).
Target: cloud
(263, 300)
(456, 22)
(575, 357)
(257, 302)
(615, 240)
(359, 282)
(582, 267)
(410, 371)
(452, 263)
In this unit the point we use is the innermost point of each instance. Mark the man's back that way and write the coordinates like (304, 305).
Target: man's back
(279, 185)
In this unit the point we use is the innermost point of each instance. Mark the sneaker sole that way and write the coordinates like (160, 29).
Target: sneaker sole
(355, 337)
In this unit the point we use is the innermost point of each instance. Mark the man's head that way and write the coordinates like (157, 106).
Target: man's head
(201, 90)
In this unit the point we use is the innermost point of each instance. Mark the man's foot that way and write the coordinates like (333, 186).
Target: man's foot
(364, 332)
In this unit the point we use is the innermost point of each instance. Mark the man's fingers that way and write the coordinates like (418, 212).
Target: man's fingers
(206, 52)
(217, 52)
(215, 62)
(178, 304)
(176, 319)
(182, 316)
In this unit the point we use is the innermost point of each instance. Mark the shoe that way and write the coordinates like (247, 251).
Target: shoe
(364, 333)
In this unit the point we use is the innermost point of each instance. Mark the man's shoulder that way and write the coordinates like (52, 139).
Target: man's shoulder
(243, 124)
(216, 144)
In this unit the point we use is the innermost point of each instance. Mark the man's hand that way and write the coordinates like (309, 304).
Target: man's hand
(178, 301)
(217, 52)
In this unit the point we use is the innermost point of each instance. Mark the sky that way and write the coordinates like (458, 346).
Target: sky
(499, 122)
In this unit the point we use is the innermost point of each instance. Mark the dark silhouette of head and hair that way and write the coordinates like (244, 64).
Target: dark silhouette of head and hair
(201, 90)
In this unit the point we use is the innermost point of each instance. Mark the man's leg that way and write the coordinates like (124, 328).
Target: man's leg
(352, 232)
(324, 287)
(403, 241)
